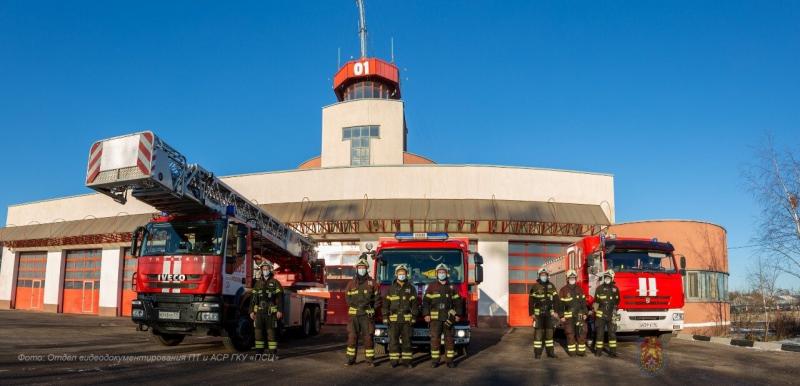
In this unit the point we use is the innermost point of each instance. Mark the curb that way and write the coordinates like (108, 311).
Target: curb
(766, 346)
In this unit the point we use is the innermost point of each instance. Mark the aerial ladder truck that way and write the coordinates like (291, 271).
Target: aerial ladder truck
(195, 259)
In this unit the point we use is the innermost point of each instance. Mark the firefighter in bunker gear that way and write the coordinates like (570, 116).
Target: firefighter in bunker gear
(266, 306)
(442, 306)
(543, 307)
(363, 297)
(606, 300)
(573, 314)
(400, 308)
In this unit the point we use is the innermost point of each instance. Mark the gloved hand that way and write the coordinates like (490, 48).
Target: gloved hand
(370, 312)
(279, 314)
(253, 315)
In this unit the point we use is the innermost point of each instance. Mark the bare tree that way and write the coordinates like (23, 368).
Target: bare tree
(763, 277)
(774, 181)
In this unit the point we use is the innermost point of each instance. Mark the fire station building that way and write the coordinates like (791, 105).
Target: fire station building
(69, 254)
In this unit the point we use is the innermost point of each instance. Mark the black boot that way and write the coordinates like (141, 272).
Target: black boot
(350, 361)
(394, 364)
(612, 353)
(598, 352)
(451, 365)
(273, 355)
(537, 353)
(581, 353)
(434, 363)
(570, 353)
(551, 353)
(408, 364)
(370, 362)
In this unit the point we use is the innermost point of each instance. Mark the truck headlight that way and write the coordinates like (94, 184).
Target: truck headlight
(209, 316)
(677, 316)
(379, 332)
(137, 313)
(136, 302)
(208, 306)
(461, 333)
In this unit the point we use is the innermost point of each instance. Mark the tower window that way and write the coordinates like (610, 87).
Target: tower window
(359, 137)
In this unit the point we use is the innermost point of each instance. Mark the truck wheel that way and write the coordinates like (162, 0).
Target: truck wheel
(306, 331)
(316, 321)
(240, 337)
(665, 338)
(167, 339)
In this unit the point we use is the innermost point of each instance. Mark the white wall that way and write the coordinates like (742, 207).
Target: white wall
(7, 269)
(386, 113)
(110, 276)
(493, 299)
(54, 278)
(400, 181)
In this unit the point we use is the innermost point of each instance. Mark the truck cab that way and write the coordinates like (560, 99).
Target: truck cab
(421, 253)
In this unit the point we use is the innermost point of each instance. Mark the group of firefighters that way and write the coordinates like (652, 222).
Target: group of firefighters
(442, 307)
(548, 306)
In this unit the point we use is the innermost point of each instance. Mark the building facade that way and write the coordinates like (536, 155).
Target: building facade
(69, 254)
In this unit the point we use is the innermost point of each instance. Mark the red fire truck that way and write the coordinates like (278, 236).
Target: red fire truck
(421, 253)
(650, 283)
(195, 262)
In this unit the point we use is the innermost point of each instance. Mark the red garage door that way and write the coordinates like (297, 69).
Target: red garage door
(82, 282)
(30, 281)
(128, 293)
(524, 260)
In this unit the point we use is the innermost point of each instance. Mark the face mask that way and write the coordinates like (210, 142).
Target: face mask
(401, 277)
(607, 280)
(543, 278)
(362, 271)
(266, 274)
(572, 281)
(441, 276)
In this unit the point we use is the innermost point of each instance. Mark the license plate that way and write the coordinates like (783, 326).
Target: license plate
(172, 315)
(418, 332)
(648, 325)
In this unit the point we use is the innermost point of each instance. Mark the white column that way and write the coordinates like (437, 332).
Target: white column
(7, 277)
(110, 275)
(54, 280)
(494, 289)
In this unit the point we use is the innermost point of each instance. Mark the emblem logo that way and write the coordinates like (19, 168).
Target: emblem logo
(652, 358)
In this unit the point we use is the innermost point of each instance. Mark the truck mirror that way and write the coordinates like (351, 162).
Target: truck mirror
(135, 241)
(683, 272)
(683, 262)
(479, 274)
(478, 258)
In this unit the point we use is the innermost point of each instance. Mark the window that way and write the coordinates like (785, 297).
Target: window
(524, 261)
(359, 137)
(368, 89)
(706, 286)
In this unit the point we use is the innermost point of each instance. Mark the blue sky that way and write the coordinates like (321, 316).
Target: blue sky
(670, 97)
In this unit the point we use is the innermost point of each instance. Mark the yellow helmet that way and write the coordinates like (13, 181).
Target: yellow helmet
(362, 262)
(572, 273)
(442, 266)
(610, 273)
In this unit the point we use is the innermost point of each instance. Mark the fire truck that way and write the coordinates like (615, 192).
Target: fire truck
(195, 261)
(421, 253)
(649, 281)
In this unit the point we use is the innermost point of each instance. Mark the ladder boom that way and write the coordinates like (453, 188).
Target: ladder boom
(160, 176)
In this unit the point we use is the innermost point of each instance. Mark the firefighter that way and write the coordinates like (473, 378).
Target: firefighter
(400, 309)
(573, 315)
(543, 306)
(266, 307)
(606, 300)
(363, 297)
(442, 307)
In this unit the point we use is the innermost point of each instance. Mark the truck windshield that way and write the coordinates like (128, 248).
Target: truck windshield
(639, 261)
(191, 238)
(421, 264)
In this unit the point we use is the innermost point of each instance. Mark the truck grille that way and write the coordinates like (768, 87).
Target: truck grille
(642, 300)
(648, 317)
(161, 284)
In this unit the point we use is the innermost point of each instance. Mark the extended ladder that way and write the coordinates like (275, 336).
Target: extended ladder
(159, 175)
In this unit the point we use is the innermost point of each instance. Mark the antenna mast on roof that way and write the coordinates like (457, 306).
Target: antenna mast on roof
(362, 27)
